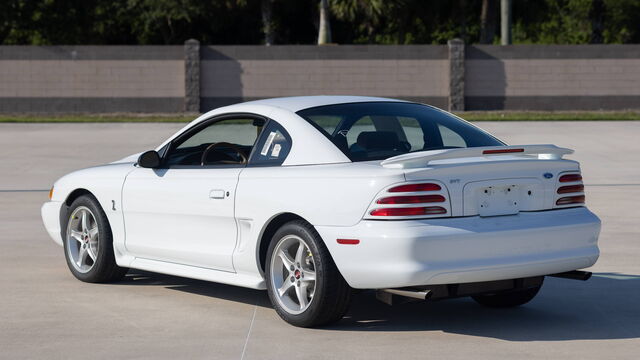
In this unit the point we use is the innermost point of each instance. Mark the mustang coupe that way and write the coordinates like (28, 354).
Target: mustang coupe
(312, 197)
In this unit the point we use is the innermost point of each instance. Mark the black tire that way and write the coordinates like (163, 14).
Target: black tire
(104, 269)
(332, 293)
(508, 299)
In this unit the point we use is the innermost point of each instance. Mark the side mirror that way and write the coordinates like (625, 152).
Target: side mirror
(149, 159)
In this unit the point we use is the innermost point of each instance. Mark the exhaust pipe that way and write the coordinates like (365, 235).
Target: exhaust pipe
(386, 295)
(574, 275)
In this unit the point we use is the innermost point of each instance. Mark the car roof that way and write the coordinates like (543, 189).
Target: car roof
(297, 103)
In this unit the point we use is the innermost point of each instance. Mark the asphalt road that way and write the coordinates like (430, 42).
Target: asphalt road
(46, 313)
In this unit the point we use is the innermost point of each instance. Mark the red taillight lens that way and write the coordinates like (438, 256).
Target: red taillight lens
(416, 199)
(571, 178)
(570, 189)
(415, 187)
(571, 200)
(502, 151)
(413, 211)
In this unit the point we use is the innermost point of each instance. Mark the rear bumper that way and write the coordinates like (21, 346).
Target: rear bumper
(395, 254)
(50, 212)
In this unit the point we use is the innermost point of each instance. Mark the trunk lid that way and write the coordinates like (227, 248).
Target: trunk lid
(488, 181)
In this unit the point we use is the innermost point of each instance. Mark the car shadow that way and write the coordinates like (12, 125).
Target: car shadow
(605, 307)
(197, 287)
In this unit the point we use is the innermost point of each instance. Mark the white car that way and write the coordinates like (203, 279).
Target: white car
(312, 197)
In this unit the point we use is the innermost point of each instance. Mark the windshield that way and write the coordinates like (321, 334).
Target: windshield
(379, 130)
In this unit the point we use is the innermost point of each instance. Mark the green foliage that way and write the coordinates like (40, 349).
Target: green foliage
(47, 22)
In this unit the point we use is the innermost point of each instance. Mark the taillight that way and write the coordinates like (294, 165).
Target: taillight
(412, 211)
(570, 194)
(571, 178)
(411, 200)
(415, 188)
(570, 200)
(570, 189)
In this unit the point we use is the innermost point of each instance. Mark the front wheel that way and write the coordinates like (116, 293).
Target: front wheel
(304, 284)
(88, 243)
(508, 299)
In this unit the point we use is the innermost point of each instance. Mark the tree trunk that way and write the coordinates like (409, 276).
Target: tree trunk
(267, 21)
(488, 21)
(505, 22)
(324, 30)
(597, 14)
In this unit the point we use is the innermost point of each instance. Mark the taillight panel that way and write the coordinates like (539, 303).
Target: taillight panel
(409, 211)
(415, 188)
(568, 200)
(414, 200)
(570, 178)
(411, 199)
(569, 190)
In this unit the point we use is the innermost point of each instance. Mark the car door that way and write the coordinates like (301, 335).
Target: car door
(183, 211)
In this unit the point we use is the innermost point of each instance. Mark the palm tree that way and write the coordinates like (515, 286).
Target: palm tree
(324, 30)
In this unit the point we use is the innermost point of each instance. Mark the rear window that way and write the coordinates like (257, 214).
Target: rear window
(379, 130)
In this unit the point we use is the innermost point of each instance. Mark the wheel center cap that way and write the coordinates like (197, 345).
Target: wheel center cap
(86, 238)
(297, 274)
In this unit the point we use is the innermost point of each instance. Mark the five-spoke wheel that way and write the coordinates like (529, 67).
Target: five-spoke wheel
(304, 284)
(293, 274)
(88, 242)
(82, 238)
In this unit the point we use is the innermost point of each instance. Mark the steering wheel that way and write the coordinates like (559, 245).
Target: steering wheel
(216, 146)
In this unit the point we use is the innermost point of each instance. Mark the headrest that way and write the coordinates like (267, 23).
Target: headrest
(378, 140)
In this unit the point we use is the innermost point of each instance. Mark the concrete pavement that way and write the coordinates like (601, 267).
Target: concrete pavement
(46, 313)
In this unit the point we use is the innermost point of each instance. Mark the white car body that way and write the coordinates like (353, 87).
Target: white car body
(174, 222)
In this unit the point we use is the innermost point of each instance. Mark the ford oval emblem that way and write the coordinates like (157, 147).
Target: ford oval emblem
(548, 175)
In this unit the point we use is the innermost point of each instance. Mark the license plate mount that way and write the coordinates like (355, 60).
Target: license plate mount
(498, 200)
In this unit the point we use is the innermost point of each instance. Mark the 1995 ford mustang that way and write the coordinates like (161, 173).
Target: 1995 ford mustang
(312, 197)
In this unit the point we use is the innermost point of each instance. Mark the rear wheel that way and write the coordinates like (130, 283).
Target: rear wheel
(88, 243)
(508, 299)
(304, 284)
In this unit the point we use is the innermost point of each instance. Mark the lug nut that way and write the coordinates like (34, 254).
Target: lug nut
(293, 279)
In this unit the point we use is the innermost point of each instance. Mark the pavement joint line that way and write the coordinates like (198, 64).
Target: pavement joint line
(612, 184)
(20, 190)
(246, 341)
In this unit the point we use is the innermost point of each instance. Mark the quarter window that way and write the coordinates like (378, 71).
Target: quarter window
(273, 147)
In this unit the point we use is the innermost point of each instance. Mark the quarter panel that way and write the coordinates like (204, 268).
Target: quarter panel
(331, 195)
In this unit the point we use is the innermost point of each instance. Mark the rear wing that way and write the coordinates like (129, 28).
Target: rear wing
(422, 158)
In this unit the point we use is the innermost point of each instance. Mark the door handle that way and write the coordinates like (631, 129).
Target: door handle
(216, 194)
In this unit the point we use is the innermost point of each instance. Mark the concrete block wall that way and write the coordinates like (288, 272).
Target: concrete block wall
(91, 79)
(553, 77)
(232, 74)
(177, 78)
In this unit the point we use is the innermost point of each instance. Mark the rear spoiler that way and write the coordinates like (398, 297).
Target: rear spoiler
(423, 158)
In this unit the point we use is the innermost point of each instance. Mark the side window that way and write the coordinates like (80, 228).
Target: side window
(413, 131)
(224, 142)
(451, 138)
(273, 147)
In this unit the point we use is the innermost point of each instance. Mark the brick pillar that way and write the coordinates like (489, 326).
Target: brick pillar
(456, 75)
(192, 75)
